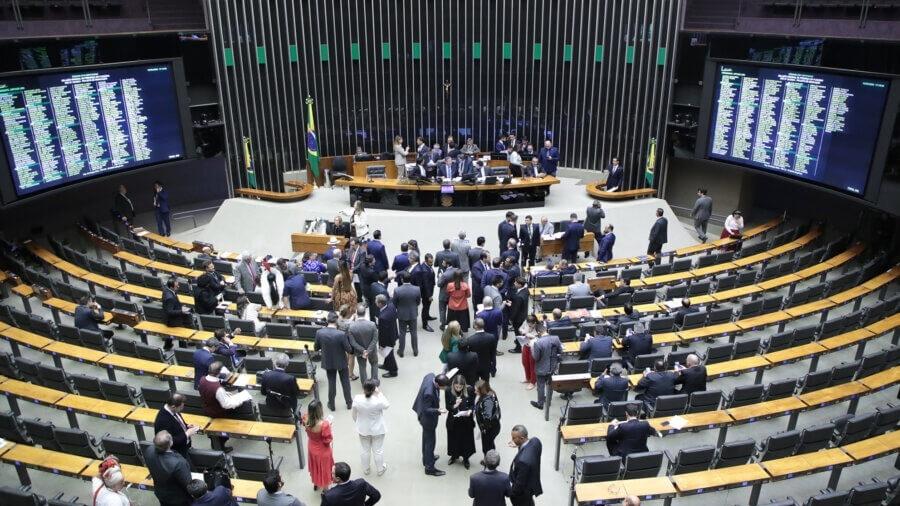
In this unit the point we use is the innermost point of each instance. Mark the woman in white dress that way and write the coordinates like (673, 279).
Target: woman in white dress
(358, 218)
(368, 413)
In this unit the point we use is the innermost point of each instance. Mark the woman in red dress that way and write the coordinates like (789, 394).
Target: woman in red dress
(318, 433)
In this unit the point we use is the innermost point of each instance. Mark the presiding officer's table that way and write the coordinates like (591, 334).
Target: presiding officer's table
(396, 194)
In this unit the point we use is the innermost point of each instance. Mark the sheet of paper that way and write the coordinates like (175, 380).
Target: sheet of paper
(677, 422)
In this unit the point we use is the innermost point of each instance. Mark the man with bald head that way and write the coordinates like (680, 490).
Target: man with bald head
(692, 376)
(170, 471)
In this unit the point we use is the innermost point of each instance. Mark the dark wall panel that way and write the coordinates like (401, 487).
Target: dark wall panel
(440, 67)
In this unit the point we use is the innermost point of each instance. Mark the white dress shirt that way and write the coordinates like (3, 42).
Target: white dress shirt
(735, 226)
(369, 414)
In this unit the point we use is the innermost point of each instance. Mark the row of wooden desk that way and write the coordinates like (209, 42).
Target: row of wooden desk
(753, 475)
(140, 417)
(25, 457)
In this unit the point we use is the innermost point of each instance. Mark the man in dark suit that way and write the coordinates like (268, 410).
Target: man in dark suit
(657, 382)
(572, 239)
(475, 252)
(295, 295)
(279, 387)
(624, 287)
(478, 269)
(377, 250)
(448, 255)
(639, 342)
(161, 209)
(485, 346)
(170, 471)
(518, 309)
(549, 158)
(701, 213)
(203, 356)
(335, 345)
(593, 221)
(685, 310)
(493, 323)
(506, 230)
(447, 169)
(422, 276)
(611, 386)
(490, 275)
(88, 316)
(123, 207)
(658, 234)
(605, 244)
(692, 378)
(387, 333)
(489, 487)
(401, 261)
(377, 288)
(598, 346)
(428, 410)
(616, 176)
(347, 492)
(169, 419)
(176, 314)
(407, 298)
(630, 436)
(464, 361)
(529, 240)
(525, 471)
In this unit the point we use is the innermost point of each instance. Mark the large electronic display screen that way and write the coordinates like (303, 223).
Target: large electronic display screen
(64, 126)
(816, 126)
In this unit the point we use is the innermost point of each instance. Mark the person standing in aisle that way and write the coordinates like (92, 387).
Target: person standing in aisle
(701, 212)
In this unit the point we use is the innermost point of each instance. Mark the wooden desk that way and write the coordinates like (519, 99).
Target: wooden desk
(555, 246)
(285, 345)
(736, 367)
(57, 304)
(95, 407)
(42, 253)
(47, 460)
(693, 421)
(165, 331)
(172, 269)
(719, 479)
(32, 393)
(846, 339)
(310, 243)
(136, 475)
(881, 380)
(763, 320)
(765, 410)
(137, 366)
(659, 487)
(794, 354)
(146, 416)
(873, 447)
(780, 281)
(833, 395)
(25, 338)
(133, 259)
(105, 282)
(247, 429)
(806, 463)
(721, 329)
(886, 325)
(74, 352)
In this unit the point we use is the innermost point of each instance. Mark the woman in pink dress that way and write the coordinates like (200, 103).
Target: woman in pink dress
(321, 458)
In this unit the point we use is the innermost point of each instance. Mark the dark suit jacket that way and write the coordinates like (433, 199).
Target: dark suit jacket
(611, 389)
(356, 492)
(628, 437)
(334, 344)
(682, 312)
(166, 421)
(376, 249)
(593, 220)
(605, 250)
(171, 474)
(656, 384)
(467, 364)
(529, 238)
(423, 277)
(638, 344)
(475, 255)
(400, 263)
(172, 307)
(388, 331)
(525, 471)
(342, 230)
(692, 379)
(162, 201)
(616, 177)
(659, 231)
(518, 310)
(202, 359)
(123, 206)
(428, 402)
(375, 290)
(86, 318)
(596, 347)
(219, 496)
(484, 345)
(280, 389)
(407, 298)
(572, 237)
(489, 488)
(451, 257)
(505, 232)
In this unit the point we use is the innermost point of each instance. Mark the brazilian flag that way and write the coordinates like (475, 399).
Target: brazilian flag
(312, 141)
(651, 161)
(248, 164)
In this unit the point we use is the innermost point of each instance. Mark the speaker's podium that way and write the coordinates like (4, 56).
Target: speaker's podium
(313, 239)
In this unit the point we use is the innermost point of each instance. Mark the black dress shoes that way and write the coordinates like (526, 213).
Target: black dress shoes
(434, 472)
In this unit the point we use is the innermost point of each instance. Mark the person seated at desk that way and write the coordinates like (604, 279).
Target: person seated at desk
(630, 436)
(203, 496)
(446, 170)
(88, 316)
(558, 320)
(598, 346)
(567, 268)
(360, 154)
(338, 228)
(624, 287)
(549, 269)
(469, 148)
(311, 263)
(655, 383)
(691, 378)
(279, 387)
(579, 288)
(611, 386)
(630, 315)
(685, 310)
(638, 342)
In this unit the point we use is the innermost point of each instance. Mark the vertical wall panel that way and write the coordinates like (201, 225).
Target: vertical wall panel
(594, 109)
